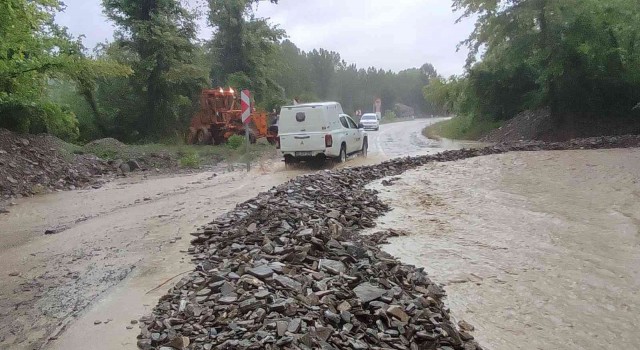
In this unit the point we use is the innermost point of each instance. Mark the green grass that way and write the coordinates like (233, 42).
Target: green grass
(394, 120)
(186, 156)
(191, 160)
(461, 128)
(235, 142)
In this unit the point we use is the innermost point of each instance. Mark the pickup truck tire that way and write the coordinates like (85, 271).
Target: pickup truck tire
(343, 154)
(365, 148)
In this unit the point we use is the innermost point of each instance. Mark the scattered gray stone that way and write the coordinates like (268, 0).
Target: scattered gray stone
(282, 327)
(332, 266)
(367, 292)
(227, 300)
(124, 167)
(133, 165)
(398, 312)
(287, 282)
(261, 272)
(294, 325)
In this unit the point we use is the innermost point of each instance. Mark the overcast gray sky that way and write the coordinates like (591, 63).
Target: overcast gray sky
(388, 34)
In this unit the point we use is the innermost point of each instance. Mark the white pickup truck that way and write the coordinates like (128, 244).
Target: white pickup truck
(319, 131)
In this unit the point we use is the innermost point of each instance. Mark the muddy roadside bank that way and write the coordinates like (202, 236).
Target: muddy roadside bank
(220, 304)
(32, 165)
(536, 250)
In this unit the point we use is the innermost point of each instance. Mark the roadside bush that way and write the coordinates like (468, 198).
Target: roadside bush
(235, 142)
(390, 116)
(190, 160)
(38, 117)
(462, 127)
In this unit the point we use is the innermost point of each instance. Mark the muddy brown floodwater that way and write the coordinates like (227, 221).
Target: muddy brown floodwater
(111, 249)
(537, 250)
(114, 251)
(117, 249)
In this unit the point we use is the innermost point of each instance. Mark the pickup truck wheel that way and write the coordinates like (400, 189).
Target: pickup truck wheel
(343, 154)
(365, 148)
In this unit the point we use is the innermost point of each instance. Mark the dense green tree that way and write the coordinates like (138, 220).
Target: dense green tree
(293, 71)
(324, 65)
(158, 39)
(324, 75)
(244, 48)
(578, 57)
(47, 83)
(33, 51)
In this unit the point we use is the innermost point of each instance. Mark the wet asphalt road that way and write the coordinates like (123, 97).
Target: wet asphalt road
(405, 139)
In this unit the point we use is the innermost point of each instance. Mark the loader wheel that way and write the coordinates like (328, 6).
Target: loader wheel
(218, 138)
(191, 138)
(203, 137)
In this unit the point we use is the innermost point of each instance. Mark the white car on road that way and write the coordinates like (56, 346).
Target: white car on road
(370, 121)
(319, 131)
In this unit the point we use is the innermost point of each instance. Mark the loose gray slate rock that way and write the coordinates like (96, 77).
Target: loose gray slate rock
(288, 282)
(333, 266)
(367, 292)
(261, 272)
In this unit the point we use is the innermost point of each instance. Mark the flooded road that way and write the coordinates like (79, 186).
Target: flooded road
(405, 139)
(536, 250)
(111, 249)
(114, 251)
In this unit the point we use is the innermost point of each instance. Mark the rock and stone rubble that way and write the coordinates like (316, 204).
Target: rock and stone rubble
(288, 270)
(34, 164)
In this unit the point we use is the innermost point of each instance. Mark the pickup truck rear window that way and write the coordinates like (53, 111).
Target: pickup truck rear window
(344, 122)
(352, 124)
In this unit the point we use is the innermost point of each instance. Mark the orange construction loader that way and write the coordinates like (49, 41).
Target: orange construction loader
(219, 118)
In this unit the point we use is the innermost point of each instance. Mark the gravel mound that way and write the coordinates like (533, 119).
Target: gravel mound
(528, 125)
(108, 142)
(33, 164)
(288, 270)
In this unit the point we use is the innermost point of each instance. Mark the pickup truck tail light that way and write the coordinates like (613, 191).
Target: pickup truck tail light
(277, 142)
(328, 140)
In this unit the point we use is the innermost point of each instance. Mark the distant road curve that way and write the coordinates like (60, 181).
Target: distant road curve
(405, 139)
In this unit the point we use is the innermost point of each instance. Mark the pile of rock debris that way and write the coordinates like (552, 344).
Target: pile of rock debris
(288, 270)
(32, 164)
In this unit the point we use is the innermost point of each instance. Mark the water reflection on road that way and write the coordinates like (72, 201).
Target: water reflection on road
(406, 139)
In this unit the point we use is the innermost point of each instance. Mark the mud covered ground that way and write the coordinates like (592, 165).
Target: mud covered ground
(110, 248)
(131, 230)
(537, 250)
(115, 250)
